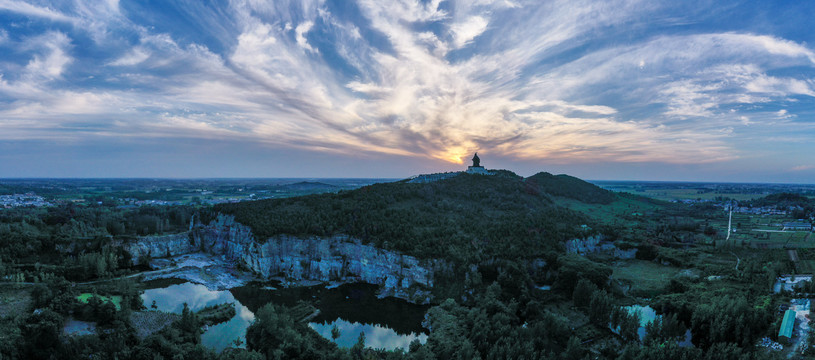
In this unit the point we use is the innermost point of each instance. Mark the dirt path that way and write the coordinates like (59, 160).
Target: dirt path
(738, 260)
(143, 273)
(793, 256)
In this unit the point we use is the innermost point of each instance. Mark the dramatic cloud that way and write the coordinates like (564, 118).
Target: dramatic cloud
(560, 82)
(32, 10)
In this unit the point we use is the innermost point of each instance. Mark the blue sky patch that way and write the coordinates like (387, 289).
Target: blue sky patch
(629, 89)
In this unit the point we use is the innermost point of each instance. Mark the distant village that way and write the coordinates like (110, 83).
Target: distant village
(799, 225)
(23, 200)
(763, 210)
(195, 196)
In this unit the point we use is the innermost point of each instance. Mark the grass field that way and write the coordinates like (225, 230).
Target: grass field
(693, 191)
(116, 300)
(717, 262)
(623, 209)
(787, 239)
(646, 278)
(693, 194)
(761, 231)
(805, 267)
(13, 301)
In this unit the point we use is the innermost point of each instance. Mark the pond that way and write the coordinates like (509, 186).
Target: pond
(377, 337)
(388, 323)
(197, 297)
(648, 314)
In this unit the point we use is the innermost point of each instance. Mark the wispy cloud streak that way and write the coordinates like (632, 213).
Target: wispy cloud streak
(561, 81)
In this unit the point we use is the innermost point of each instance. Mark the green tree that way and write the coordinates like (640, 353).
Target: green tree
(629, 325)
(728, 320)
(448, 339)
(574, 350)
(663, 328)
(276, 335)
(359, 347)
(335, 332)
(582, 294)
(41, 333)
(600, 308)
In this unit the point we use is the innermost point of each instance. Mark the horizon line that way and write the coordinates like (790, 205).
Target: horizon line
(387, 178)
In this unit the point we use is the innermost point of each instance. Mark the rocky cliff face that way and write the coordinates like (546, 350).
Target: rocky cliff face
(162, 246)
(598, 244)
(332, 259)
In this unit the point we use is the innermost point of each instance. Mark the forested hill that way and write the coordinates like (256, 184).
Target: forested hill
(570, 187)
(465, 218)
(783, 200)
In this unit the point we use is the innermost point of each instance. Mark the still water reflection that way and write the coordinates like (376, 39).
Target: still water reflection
(648, 314)
(377, 337)
(388, 323)
(197, 297)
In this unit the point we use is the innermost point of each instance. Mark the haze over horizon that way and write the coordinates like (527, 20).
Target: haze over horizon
(611, 90)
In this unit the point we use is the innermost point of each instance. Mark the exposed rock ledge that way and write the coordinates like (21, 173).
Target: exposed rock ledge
(332, 259)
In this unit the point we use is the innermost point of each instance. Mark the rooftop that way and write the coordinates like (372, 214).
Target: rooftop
(787, 324)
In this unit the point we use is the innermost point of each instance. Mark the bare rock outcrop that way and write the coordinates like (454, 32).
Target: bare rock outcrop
(326, 259)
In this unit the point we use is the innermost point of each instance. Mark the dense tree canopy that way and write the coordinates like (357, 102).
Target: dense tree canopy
(458, 218)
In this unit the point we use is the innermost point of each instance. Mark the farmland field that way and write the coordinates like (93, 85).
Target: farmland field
(645, 277)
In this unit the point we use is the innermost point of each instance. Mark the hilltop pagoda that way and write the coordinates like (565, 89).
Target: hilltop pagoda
(477, 168)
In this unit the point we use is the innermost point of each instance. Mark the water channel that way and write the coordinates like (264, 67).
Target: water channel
(388, 323)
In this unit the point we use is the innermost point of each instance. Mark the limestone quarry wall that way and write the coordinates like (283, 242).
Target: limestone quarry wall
(162, 246)
(336, 258)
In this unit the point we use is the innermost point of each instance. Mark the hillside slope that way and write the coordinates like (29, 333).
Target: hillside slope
(570, 187)
(466, 218)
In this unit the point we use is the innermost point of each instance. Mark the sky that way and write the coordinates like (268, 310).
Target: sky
(716, 90)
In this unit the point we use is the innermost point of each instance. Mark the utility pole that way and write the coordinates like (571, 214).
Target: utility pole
(729, 223)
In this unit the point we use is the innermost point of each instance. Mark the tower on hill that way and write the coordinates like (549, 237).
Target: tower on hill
(477, 168)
